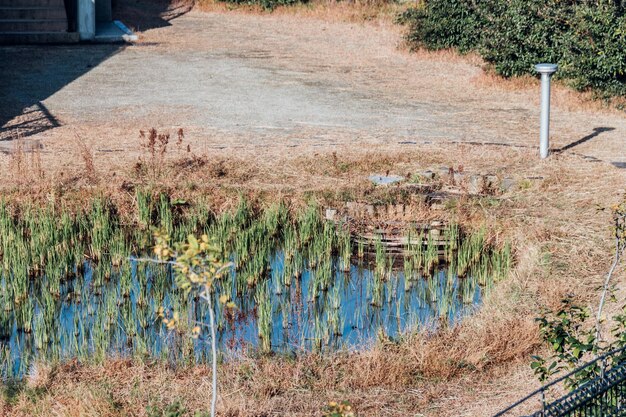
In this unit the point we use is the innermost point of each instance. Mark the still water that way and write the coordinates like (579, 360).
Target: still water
(106, 310)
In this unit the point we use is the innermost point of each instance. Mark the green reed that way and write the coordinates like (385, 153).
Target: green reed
(452, 236)
(431, 254)
(264, 319)
(345, 250)
(360, 249)
(144, 207)
(382, 260)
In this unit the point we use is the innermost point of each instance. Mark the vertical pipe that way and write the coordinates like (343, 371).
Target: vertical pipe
(546, 71)
(86, 19)
(544, 136)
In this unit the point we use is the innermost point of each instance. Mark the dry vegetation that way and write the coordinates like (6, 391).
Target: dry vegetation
(376, 12)
(554, 217)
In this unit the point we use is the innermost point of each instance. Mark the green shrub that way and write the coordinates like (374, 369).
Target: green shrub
(596, 57)
(586, 39)
(521, 33)
(444, 24)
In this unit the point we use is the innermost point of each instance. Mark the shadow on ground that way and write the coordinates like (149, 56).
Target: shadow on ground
(596, 132)
(29, 74)
(141, 15)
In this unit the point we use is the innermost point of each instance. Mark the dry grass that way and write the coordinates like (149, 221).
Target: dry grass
(89, 166)
(562, 243)
(562, 95)
(24, 165)
(375, 12)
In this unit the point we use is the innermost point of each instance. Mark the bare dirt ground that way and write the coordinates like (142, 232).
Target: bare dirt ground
(288, 103)
(276, 83)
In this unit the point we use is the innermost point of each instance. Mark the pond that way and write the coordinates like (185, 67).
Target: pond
(294, 286)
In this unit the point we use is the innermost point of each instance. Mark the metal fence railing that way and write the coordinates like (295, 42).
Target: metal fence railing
(603, 395)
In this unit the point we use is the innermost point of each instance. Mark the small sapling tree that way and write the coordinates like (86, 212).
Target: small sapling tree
(197, 263)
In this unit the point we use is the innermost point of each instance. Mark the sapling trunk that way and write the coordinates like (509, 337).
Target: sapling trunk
(206, 295)
(619, 248)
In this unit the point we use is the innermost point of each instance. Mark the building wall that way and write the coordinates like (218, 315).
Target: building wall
(103, 11)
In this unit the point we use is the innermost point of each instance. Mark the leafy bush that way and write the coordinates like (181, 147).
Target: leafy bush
(587, 40)
(444, 24)
(571, 344)
(596, 57)
(521, 33)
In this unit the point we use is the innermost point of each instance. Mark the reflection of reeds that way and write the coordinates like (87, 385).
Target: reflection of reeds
(381, 258)
(408, 272)
(334, 319)
(264, 318)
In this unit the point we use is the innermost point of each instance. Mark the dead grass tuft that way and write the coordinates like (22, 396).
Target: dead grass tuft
(86, 154)
(25, 166)
(39, 376)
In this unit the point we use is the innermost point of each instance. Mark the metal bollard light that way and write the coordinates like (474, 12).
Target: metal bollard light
(546, 71)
